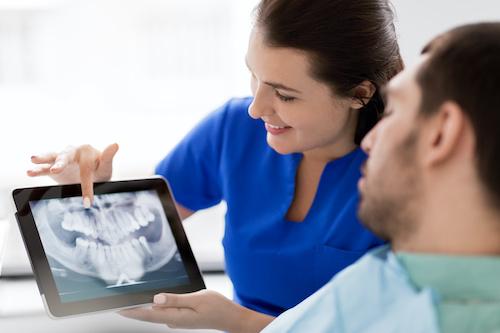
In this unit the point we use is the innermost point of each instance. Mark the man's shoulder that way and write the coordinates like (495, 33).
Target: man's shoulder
(376, 277)
(378, 259)
(366, 277)
(377, 288)
(372, 295)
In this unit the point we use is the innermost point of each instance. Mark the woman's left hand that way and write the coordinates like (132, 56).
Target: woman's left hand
(202, 309)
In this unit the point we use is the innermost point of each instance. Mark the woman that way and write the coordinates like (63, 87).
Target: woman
(316, 68)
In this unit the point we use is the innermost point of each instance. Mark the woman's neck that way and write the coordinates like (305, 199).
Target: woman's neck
(329, 153)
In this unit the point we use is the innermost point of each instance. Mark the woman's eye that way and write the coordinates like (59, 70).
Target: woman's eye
(283, 97)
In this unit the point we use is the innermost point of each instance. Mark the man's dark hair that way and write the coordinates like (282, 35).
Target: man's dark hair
(464, 67)
(350, 41)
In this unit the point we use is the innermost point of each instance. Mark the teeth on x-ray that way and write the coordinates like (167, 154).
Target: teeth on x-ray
(145, 244)
(119, 239)
(110, 226)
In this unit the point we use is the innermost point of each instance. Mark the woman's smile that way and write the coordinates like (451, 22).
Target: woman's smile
(276, 130)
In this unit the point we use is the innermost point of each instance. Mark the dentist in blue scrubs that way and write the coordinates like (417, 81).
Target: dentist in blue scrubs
(286, 161)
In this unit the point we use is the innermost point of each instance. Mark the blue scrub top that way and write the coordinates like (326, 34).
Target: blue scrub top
(273, 263)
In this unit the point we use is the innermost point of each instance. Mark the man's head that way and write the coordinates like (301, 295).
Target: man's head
(437, 150)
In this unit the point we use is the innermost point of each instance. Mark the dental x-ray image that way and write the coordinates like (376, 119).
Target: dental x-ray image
(122, 241)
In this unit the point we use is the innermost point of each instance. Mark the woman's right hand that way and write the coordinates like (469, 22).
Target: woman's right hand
(83, 164)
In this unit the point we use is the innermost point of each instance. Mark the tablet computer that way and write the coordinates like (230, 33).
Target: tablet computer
(127, 247)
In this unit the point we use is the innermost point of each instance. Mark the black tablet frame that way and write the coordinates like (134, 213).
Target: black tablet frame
(40, 264)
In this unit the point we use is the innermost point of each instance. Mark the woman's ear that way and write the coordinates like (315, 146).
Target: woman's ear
(362, 94)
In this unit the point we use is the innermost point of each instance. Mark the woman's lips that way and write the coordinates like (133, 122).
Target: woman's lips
(276, 130)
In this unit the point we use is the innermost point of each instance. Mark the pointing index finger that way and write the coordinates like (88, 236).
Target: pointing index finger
(87, 161)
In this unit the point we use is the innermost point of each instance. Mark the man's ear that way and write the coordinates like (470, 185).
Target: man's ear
(362, 94)
(444, 133)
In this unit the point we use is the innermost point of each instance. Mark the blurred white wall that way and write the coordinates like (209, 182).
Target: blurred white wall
(142, 73)
(419, 21)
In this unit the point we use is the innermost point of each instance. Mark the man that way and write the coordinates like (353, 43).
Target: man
(431, 187)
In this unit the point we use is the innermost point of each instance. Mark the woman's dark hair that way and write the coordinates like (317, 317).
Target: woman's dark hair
(350, 41)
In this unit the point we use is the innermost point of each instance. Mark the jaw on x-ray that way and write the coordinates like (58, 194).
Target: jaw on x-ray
(121, 237)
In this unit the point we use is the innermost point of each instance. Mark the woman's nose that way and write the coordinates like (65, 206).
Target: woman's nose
(261, 105)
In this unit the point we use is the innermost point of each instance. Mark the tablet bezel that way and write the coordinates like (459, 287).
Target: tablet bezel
(40, 264)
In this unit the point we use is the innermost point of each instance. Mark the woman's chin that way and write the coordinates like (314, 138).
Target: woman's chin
(280, 148)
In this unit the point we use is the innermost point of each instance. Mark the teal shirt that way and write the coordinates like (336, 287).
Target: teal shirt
(466, 289)
(387, 292)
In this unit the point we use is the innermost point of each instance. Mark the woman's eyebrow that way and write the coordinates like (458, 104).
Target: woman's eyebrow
(281, 87)
(275, 85)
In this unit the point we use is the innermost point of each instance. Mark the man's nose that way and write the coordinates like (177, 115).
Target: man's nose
(369, 139)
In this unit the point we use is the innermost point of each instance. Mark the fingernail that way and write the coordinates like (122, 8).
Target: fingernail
(33, 156)
(86, 202)
(159, 299)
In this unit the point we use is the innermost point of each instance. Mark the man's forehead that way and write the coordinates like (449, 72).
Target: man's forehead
(405, 81)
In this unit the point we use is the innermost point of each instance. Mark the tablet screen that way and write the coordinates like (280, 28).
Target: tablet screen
(122, 243)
